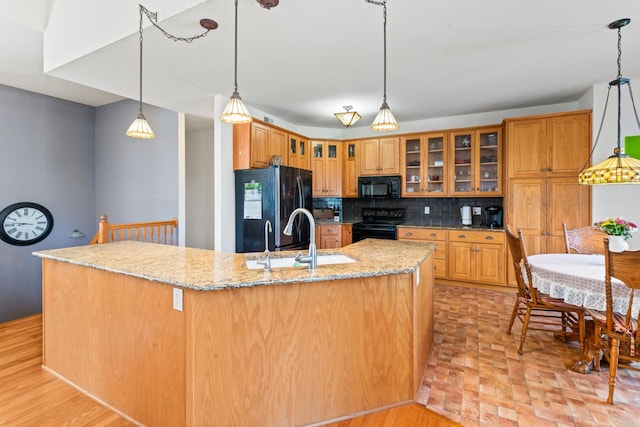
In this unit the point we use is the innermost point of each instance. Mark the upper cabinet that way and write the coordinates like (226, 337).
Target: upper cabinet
(326, 165)
(423, 160)
(256, 143)
(380, 156)
(556, 145)
(474, 160)
(350, 168)
(299, 150)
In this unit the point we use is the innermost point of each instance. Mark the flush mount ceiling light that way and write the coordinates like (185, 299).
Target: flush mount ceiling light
(618, 168)
(348, 117)
(140, 127)
(384, 121)
(236, 112)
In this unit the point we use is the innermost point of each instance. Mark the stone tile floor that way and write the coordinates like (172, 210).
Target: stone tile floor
(476, 377)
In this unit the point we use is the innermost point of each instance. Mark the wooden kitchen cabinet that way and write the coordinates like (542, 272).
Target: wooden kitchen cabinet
(544, 155)
(329, 236)
(350, 169)
(298, 152)
(439, 237)
(256, 143)
(476, 256)
(347, 234)
(423, 159)
(380, 156)
(326, 166)
(475, 159)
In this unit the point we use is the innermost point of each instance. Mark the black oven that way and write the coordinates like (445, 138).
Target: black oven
(379, 187)
(378, 223)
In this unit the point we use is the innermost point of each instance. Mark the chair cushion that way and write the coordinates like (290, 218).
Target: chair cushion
(618, 321)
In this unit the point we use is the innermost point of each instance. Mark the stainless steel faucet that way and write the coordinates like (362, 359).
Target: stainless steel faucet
(312, 257)
(267, 259)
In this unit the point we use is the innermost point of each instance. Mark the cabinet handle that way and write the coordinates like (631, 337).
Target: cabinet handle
(432, 235)
(461, 236)
(408, 233)
(329, 230)
(489, 237)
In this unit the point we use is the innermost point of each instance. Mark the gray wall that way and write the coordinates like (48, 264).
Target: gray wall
(47, 157)
(76, 161)
(136, 179)
(199, 188)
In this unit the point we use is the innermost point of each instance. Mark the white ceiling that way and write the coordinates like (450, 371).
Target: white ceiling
(304, 59)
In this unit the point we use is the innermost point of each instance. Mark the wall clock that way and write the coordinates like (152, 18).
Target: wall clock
(25, 223)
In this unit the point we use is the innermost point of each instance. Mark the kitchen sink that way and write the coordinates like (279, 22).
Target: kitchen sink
(252, 264)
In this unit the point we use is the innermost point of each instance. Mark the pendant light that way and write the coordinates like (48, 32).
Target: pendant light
(140, 127)
(347, 117)
(618, 168)
(384, 121)
(235, 112)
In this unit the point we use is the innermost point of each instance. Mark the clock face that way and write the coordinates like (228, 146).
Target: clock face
(25, 223)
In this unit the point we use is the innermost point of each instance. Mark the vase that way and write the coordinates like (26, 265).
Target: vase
(618, 244)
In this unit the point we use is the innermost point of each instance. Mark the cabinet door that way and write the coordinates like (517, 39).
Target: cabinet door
(317, 167)
(347, 234)
(260, 153)
(370, 157)
(461, 164)
(414, 181)
(293, 154)
(333, 170)
(489, 161)
(526, 148)
(350, 169)
(567, 202)
(459, 261)
(304, 157)
(278, 145)
(568, 143)
(389, 156)
(526, 210)
(435, 162)
(489, 263)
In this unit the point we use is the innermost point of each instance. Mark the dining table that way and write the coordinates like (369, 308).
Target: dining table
(579, 279)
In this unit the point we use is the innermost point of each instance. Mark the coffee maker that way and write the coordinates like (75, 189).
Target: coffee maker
(494, 216)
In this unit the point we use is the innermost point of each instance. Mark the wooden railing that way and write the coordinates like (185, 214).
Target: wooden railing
(152, 232)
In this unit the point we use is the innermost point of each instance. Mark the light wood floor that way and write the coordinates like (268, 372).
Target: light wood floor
(30, 396)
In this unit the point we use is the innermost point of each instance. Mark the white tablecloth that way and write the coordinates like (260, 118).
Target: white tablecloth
(579, 279)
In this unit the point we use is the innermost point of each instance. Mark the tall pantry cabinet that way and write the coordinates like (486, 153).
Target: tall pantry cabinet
(544, 155)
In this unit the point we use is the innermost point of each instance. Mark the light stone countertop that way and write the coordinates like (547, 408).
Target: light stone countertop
(202, 269)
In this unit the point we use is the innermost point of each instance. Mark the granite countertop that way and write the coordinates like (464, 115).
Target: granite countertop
(452, 227)
(202, 269)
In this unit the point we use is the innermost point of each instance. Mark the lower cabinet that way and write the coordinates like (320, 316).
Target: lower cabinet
(476, 256)
(329, 236)
(347, 235)
(439, 237)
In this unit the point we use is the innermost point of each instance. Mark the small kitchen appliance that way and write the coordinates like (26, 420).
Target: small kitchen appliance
(494, 216)
(465, 213)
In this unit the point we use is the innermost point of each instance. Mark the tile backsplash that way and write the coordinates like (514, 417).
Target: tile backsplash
(442, 211)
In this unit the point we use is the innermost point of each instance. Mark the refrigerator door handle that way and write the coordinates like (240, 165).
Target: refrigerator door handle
(300, 204)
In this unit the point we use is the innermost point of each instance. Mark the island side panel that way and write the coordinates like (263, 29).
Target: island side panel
(423, 321)
(293, 354)
(117, 338)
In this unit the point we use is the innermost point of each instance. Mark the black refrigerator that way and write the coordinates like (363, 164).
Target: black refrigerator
(272, 194)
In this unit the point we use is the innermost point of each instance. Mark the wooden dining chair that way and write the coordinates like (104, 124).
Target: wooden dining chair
(533, 307)
(583, 240)
(616, 334)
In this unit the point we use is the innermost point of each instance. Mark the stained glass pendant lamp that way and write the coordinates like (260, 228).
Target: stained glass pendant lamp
(347, 117)
(618, 168)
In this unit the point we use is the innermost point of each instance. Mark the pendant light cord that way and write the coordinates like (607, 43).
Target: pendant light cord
(140, 98)
(235, 63)
(384, 34)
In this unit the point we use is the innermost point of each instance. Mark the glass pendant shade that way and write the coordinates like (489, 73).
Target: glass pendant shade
(235, 112)
(384, 121)
(140, 128)
(617, 169)
(347, 118)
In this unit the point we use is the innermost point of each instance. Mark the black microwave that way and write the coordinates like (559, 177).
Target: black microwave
(379, 187)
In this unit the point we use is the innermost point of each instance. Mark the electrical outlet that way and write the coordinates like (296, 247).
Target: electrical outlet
(477, 210)
(177, 299)
(427, 210)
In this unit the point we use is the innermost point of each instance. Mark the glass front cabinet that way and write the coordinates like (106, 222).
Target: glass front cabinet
(475, 162)
(424, 165)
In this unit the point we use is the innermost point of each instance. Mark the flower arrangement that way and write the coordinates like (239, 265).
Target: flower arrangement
(616, 227)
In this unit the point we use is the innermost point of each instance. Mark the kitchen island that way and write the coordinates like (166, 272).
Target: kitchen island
(177, 336)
